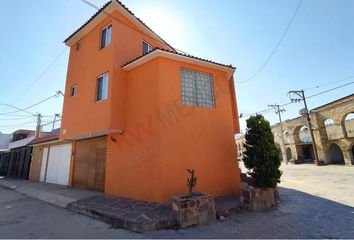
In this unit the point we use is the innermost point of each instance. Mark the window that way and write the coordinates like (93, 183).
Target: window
(78, 45)
(102, 88)
(197, 88)
(147, 47)
(106, 34)
(73, 91)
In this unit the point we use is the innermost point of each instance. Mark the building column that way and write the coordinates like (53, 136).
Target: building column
(347, 157)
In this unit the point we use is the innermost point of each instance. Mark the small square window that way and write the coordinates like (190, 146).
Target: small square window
(106, 35)
(73, 91)
(102, 87)
(147, 48)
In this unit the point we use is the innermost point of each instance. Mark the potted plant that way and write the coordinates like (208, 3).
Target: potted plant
(261, 158)
(193, 208)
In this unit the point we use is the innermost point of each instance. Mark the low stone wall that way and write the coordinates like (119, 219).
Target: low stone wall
(193, 210)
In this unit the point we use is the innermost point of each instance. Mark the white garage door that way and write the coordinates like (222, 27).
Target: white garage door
(59, 164)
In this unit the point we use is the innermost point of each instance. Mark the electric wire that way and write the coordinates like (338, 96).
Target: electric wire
(41, 74)
(288, 103)
(329, 83)
(276, 46)
(24, 109)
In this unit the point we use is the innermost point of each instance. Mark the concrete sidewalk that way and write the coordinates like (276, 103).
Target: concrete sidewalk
(57, 195)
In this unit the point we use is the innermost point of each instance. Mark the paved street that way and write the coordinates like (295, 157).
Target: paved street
(318, 206)
(334, 182)
(23, 217)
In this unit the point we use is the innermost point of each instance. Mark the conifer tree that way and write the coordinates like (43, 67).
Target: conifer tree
(261, 156)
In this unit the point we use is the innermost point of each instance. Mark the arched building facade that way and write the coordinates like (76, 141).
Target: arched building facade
(333, 127)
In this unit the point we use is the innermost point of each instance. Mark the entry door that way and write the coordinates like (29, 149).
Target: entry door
(90, 164)
(59, 164)
(43, 164)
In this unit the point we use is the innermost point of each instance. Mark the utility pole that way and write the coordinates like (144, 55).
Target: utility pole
(55, 116)
(38, 127)
(279, 111)
(301, 95)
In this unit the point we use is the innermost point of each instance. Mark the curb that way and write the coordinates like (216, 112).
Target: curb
(51, 198)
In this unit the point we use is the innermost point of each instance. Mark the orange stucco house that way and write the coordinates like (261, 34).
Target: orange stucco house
(140, 113)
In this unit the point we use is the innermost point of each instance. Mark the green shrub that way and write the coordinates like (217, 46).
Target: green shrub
(261, 156)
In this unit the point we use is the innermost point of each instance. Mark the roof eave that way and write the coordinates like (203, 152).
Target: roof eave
(161, 53)
(104, 12)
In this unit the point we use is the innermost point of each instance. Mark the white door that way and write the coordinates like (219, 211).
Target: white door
(43, 164)
(59, 164)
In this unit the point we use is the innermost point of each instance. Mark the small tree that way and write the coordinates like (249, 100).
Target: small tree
(261, 156)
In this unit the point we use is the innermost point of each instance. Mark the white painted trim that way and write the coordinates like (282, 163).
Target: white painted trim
(160, 53)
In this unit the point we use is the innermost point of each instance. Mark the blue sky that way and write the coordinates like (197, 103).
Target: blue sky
(317, 49)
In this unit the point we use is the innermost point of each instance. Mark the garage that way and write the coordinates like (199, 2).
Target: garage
(58, 167)
(51, 160)
(90, 164)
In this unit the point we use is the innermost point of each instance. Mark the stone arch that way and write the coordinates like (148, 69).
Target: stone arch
(348, 124)
(351, 153)
(286, 137)
(331, 128)
(289, 154)
(335, 154)
(329, 122)
(302, 134)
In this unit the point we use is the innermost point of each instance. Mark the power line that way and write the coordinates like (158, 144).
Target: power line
(18, 115)
(14, 119)
(41, 74)
(314, 95)
(288, 103)
(329, 83)
(17, 124)
(33, 105)
(276, 46)
(18, 109)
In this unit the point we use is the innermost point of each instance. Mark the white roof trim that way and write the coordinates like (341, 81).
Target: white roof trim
(113, 6)
(160, 53)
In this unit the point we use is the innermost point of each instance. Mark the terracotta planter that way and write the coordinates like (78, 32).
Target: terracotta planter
(259, 199)
(193, 210)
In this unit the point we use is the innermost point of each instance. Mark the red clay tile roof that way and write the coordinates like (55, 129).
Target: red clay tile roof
(47, 138)
(180, 54)
(127, 9)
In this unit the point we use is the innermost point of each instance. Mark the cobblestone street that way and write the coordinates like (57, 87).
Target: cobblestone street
(315, 202)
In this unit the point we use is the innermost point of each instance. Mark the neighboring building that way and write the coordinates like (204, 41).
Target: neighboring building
(333, 126)
(140, 113)
(51, 160)
(4, 141)
(240, 141)
(16, 161)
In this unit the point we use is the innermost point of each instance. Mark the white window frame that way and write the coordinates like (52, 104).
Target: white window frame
(104, 94)
(73, 91)
(107, 37)
(149, 46)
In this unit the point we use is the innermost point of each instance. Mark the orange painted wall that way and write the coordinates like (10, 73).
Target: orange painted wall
(81, 114)
(163, 138)
(133, 161)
